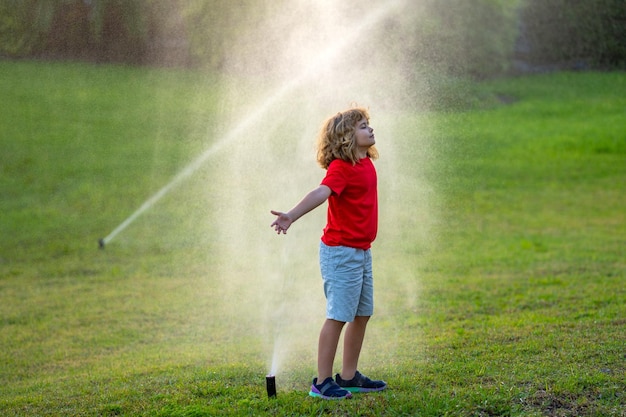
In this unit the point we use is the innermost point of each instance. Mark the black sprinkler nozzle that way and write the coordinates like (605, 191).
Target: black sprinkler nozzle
(101, 243)
(270, 383)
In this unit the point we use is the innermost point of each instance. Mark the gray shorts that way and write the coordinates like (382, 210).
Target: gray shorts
(348, 282)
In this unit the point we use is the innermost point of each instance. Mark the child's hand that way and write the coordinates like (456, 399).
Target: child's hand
(282, 222)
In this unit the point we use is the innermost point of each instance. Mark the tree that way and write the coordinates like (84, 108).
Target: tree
(575, 33)
(112, 30)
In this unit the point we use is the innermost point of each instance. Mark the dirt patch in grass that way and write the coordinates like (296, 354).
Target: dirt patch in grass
(564, 405)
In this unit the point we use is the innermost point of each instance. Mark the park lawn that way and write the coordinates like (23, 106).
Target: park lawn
(507, 298)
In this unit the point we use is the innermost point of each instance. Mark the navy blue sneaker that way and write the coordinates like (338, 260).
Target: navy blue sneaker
(328, 390)
(360, 383)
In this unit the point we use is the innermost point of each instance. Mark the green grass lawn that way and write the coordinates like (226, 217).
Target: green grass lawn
(500, 262)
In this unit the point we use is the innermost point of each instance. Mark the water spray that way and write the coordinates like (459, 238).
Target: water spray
(310, 69)
(237, 133)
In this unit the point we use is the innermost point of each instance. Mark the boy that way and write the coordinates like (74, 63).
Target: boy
(345, 148)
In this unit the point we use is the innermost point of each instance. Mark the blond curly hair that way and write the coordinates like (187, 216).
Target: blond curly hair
(336, 139)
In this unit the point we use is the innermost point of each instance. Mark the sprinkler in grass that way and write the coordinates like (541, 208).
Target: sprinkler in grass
(101, 243)
(270, 383)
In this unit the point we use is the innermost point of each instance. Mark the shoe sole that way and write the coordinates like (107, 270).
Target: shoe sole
(357, 390)
(324, 397)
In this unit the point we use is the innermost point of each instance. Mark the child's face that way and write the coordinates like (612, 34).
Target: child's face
(364, 135)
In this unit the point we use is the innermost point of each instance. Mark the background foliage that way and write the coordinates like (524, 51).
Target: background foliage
(478, 37)
(578, 32)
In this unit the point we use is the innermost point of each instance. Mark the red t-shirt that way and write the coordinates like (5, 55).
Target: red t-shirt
(352, 218)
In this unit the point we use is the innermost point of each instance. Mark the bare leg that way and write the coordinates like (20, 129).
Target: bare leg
(327, 348)
(352, 343)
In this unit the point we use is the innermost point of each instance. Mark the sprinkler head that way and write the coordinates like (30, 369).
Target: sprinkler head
(270, 383)
(101, 243)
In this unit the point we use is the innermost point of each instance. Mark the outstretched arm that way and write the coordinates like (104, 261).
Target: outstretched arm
(308, 203)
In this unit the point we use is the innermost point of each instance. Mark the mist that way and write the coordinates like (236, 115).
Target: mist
(305, 65)
(282, 79)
